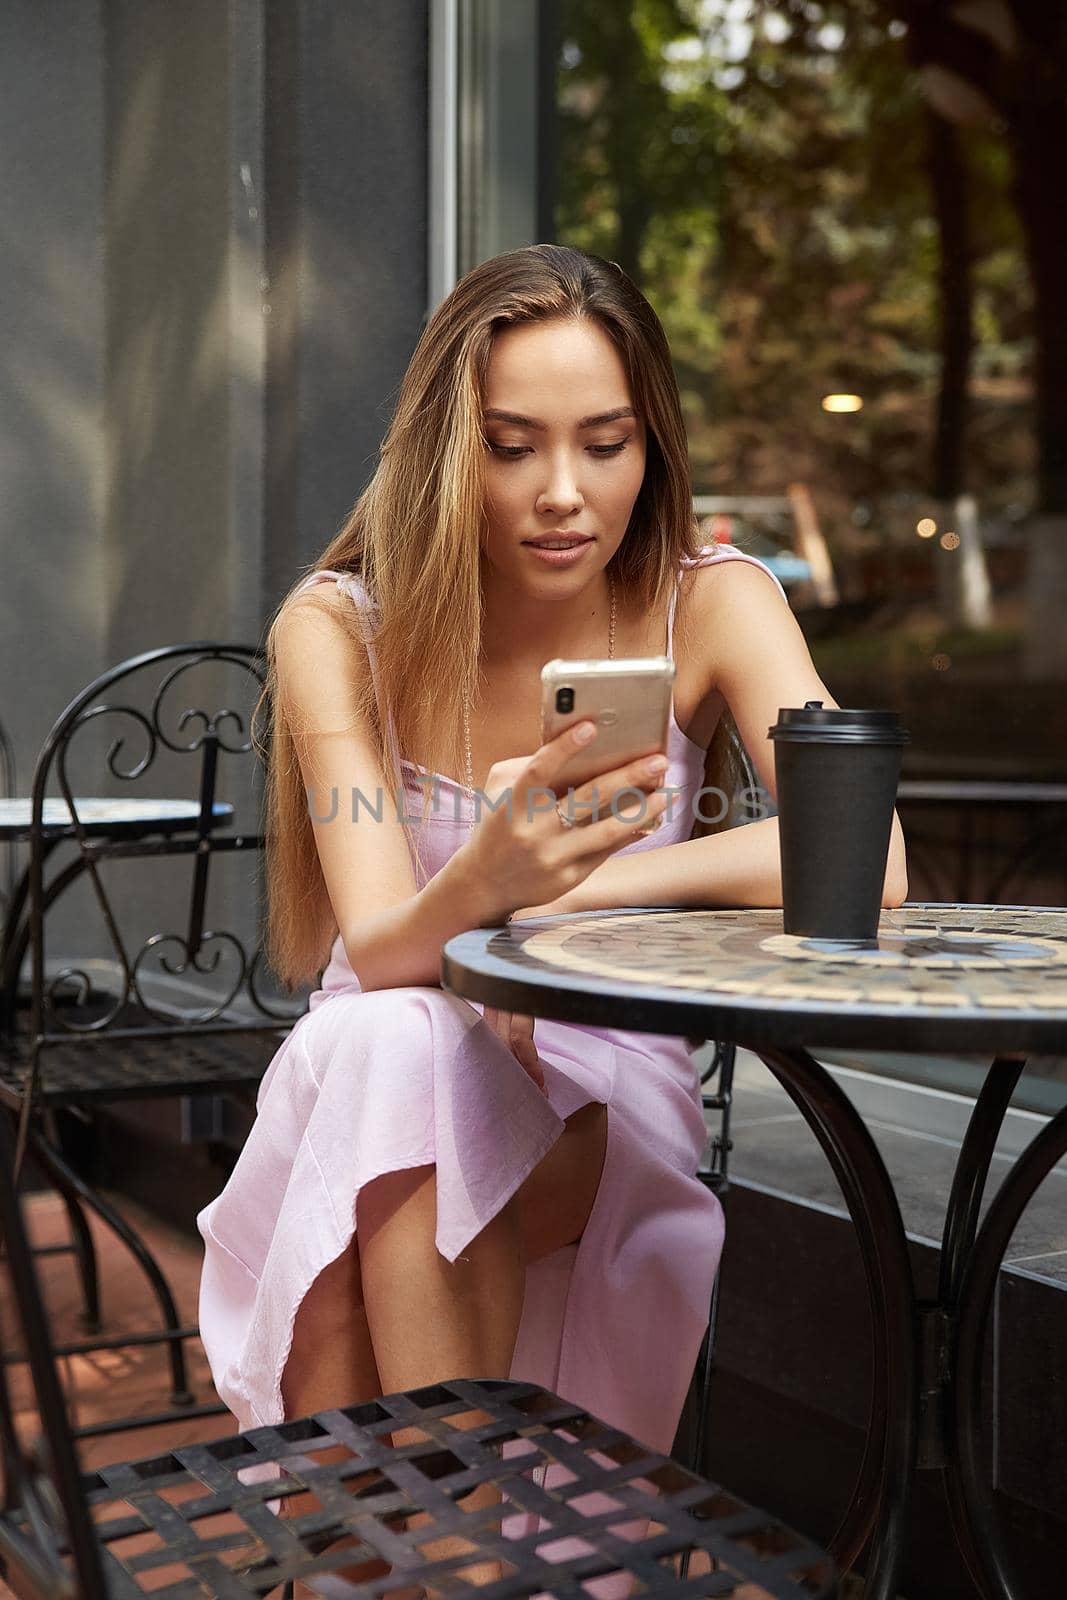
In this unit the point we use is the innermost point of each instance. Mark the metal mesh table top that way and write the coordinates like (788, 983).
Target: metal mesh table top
(938, 976)
(633, 1510)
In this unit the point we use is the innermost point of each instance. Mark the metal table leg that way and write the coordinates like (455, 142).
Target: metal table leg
(967, 1481)
(881, 1499)
(936, 1443)
(947, 1432)
(972, 1172)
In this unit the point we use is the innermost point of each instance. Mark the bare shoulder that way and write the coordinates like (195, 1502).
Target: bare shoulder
(720, 588)
(318, 654)
(321, 619)
(732, 612)
(322, 609)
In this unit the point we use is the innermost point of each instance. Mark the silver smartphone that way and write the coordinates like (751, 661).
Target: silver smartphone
(629, 700)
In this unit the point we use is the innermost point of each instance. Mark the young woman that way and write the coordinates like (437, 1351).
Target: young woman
(430, 1191)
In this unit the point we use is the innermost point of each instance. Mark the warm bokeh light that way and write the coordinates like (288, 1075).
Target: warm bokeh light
(842, 402)
(926, 527)
(949, 541)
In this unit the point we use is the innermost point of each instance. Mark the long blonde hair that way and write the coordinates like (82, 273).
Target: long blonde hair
(415, 534)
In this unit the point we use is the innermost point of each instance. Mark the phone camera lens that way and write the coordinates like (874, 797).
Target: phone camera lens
(564, 699)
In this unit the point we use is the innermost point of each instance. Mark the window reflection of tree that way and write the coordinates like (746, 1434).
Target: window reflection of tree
(826, 196)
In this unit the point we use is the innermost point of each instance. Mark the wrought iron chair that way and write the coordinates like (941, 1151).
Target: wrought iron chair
(165, 992)
(189, 1521)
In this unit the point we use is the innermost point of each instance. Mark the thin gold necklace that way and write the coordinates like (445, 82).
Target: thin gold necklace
(469, 760)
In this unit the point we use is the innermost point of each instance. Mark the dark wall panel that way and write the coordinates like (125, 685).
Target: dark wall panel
(346, 176)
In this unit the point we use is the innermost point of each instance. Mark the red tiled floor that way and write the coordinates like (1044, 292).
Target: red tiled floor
(110, 1383)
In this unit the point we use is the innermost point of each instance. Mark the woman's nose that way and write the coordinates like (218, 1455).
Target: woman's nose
(561, 493)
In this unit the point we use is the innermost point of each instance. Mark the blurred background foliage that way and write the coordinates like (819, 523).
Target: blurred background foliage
(763, 169)
(859, 197)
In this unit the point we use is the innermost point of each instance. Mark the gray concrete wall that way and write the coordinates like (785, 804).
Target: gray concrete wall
(171, 566)
(214, 257)
(52, 359)
(178, 181)
(346, 246)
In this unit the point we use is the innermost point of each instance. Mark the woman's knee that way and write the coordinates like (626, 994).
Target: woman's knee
(407, 1013)
(400, 1032)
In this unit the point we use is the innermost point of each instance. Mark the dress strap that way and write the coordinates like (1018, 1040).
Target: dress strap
(352, 585)
(711, 556)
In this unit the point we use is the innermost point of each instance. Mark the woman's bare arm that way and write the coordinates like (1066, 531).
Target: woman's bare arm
(758, 660)
(737, 868)
(392, 932)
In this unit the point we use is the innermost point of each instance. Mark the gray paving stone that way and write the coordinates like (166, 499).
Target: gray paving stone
(773, 1147)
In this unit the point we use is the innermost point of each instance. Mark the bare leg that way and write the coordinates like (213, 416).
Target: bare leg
(393, 1314)
(431, 1319)
(331, 1363)
(332, 1360)
(559, 1194)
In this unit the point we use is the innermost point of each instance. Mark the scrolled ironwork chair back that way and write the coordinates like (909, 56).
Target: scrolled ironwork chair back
(156, 734)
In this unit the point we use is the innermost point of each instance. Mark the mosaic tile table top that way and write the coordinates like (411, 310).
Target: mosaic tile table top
(938, 976)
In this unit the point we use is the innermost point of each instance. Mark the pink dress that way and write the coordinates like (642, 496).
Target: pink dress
(373, 1083)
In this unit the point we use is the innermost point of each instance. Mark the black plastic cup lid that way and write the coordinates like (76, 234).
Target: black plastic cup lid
(837, 725)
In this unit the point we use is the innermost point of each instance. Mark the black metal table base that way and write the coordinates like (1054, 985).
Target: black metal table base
(968, 1478)
(957, 978)
(887, 1468)
(926, 1409)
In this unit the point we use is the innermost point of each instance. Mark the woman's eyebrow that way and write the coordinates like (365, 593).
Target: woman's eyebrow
(586, 422)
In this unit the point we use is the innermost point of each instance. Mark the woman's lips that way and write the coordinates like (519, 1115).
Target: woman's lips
(566, 557)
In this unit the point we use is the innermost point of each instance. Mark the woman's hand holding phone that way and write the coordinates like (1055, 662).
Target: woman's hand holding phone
(523, 854)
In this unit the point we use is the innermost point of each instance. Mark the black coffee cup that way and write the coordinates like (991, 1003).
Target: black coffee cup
(837, 774)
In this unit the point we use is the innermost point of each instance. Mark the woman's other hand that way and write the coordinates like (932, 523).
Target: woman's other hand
(517, 1033)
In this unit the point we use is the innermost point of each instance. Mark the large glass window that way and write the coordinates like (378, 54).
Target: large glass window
(841, 216)
(492, 113)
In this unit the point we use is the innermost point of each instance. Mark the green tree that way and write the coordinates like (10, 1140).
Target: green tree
(789, 239)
